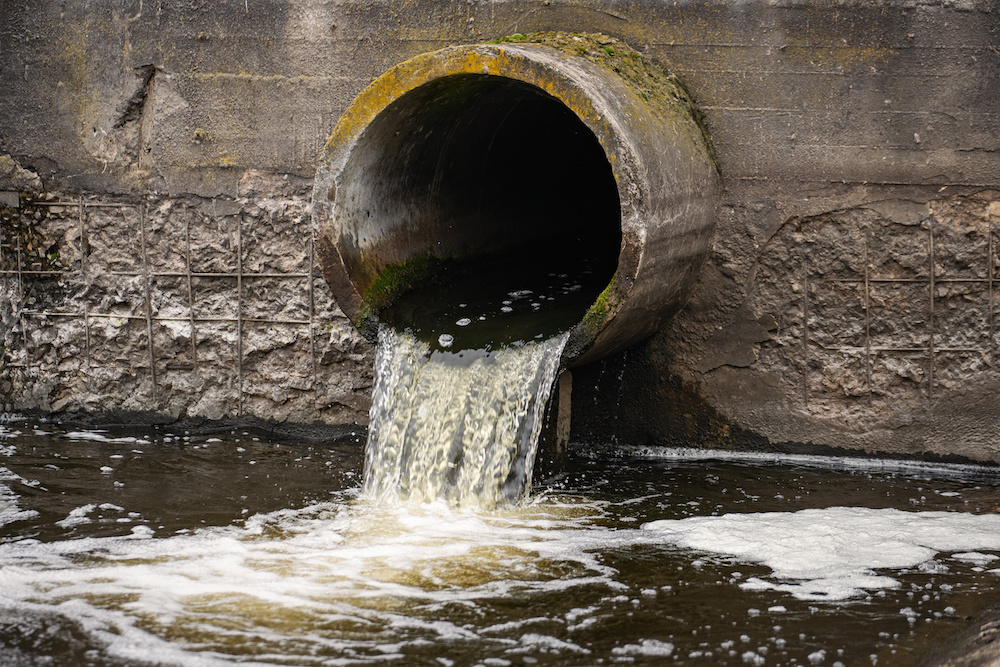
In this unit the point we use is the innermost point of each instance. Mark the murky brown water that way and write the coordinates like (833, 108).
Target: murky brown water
(154, 547)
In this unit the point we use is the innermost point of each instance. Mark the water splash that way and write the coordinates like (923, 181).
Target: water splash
(457, 426)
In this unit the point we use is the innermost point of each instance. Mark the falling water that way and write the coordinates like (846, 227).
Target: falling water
(458, 426)
(464, 367)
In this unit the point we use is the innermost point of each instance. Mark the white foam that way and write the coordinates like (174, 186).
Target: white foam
(274, 582)
(10, 510)
(549, 644)
(645, 647)
(975, 557)
(832, 553)
(327, 564)
(80, 515)
(806, 460)
(98, 436)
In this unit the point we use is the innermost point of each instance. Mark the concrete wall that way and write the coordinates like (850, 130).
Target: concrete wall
(848, 302)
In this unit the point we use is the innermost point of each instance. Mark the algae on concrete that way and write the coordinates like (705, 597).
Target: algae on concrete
(651, 82)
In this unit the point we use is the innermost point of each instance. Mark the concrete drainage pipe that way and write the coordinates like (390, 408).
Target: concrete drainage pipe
(540, 148)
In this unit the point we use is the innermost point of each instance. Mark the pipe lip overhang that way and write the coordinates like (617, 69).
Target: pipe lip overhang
(659, 154)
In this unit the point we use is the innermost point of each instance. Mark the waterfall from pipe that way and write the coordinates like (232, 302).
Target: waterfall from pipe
(461, 427)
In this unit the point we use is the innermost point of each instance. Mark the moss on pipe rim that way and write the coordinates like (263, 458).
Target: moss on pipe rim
(649, 81)
(391, 282)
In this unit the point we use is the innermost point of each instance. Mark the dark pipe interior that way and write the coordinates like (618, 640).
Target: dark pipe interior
(496, 177)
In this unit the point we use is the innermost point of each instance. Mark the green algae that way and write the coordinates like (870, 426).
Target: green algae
(393, 281)
(597, 315)
(663, 92)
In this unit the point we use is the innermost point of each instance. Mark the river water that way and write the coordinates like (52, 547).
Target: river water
(146, 546)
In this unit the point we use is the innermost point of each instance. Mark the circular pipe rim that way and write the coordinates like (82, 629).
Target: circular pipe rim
(659, 154)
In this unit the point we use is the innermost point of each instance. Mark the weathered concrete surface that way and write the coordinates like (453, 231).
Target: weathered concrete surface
(848, 300)
(183, 306)
(870, 327)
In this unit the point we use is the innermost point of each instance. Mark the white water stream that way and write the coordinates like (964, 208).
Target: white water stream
(462, 426)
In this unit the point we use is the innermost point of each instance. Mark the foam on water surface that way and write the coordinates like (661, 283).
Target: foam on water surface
(10, 511)
(361, 572)
(615, 560)
(832, 553)
(351, 576)
(101, 436)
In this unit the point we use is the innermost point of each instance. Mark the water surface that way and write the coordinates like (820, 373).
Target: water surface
(153, 547)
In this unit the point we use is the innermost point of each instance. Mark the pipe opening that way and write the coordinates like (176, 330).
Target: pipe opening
(491, 203)
(563, 180)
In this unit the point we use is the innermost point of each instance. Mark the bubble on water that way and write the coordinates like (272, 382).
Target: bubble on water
(933, 566)
(446, 340)
(817, 657)
(645, 647)
(975, 557)
(464, 322)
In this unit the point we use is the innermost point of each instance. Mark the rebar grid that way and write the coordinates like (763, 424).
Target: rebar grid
(144, 312)
(933, 348)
